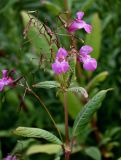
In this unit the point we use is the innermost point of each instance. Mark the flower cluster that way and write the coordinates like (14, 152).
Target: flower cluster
(9, 157)
(6, 80)
(60, 65)
(78, 23)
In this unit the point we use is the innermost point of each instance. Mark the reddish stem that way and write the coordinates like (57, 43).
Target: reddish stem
(67, 148)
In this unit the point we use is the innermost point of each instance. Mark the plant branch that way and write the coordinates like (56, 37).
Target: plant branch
(43, 105)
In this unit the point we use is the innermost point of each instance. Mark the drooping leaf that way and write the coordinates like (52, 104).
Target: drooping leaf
(93, 152)
(37, 133)
(44, 148)
(79, 90)
(94, 38)
(96, 80)
(47, 84)
(87, 112)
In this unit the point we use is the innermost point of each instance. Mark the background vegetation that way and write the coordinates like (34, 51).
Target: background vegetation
(103, 138)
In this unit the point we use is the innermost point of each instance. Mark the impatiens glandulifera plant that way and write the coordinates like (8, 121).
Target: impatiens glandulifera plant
(63, 66)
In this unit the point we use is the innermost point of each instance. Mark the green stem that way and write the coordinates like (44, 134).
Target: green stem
(43, 105)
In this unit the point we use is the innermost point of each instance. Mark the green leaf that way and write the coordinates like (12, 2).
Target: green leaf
(39, 42)
(5, 133)
(87, 112)
(52, 7)
(12, 98)
(94, 38)
(79, 90)
(47, 84)
(87, 5)
(37, 133)
(93, 152)
(22, 145)
(44, 148)
(6, 5)
(96, 80)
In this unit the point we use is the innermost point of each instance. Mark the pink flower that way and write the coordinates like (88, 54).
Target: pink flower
(60, 65)
(89, 63)
(62, 53)
(6, 80)
(9, 157)
(78, 23)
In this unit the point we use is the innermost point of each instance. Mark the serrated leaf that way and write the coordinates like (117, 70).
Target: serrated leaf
(37, 133)
(47, 84)
(87, 112)
(97, 79)
(93, 152)
(79, 90)
(44, 148)
(94, 38)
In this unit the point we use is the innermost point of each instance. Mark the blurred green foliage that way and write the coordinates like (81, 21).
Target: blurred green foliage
(103, 136)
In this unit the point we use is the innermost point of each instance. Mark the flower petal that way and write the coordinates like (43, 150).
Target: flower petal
(65, 66)
(85, 50)
(75, 25)
(88, 28)
(60, 67)
(79, 15)
(1, 85)
(4, 73)
(61, 53)
(90, 64)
